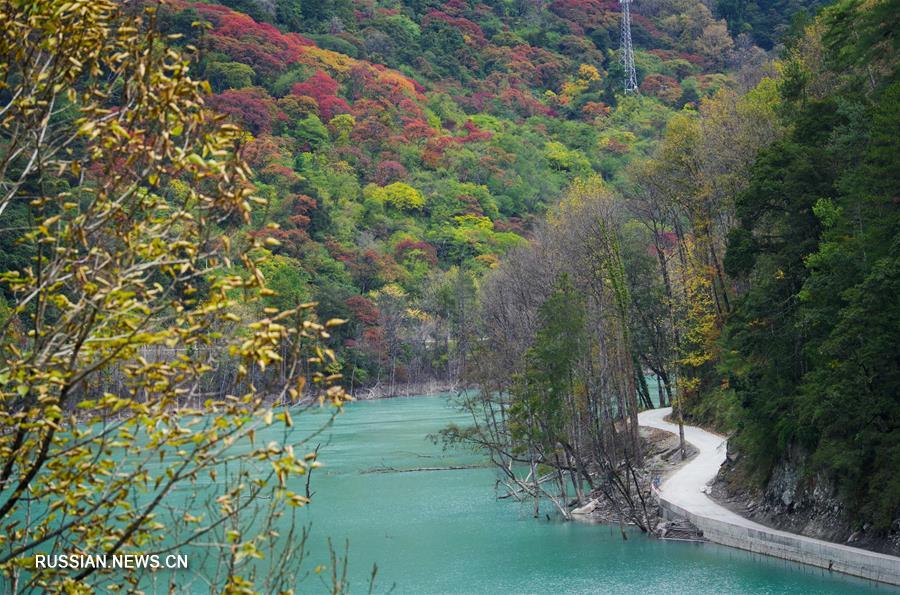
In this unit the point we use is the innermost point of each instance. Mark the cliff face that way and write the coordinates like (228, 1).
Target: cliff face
(795, 501)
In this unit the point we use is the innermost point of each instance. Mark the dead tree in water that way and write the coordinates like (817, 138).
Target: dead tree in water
(558, 397)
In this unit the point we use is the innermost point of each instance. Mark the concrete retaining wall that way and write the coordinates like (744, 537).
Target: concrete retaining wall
(833, 556)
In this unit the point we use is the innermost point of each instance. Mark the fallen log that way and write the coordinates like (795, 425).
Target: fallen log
(416, 469)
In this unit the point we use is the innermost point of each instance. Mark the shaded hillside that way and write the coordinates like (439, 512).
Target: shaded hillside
(767, 21)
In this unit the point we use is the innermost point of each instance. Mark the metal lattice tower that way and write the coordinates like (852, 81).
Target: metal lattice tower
(627, 51)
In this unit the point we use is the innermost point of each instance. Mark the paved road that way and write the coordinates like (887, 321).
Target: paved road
(686, 489)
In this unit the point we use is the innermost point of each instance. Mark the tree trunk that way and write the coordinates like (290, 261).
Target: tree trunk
(659, 391)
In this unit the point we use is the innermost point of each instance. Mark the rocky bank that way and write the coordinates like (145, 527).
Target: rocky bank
(792, 501)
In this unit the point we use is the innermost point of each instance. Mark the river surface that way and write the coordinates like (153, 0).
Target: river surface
(445, 532)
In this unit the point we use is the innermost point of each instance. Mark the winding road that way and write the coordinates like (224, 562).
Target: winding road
(687, 486)
(683, 493)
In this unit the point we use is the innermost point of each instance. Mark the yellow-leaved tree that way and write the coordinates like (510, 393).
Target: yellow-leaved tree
(133, 388)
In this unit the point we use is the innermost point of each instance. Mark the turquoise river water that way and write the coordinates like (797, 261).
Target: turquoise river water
(445, 532)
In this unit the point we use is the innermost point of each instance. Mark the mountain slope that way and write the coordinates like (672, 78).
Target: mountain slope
(404, 147)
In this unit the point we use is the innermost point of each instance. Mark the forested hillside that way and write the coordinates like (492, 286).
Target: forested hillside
(809, 353)
(402, 148)
(748, 265)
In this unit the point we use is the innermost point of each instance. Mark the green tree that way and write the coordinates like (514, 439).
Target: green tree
(399, 195)
(312, 131)
(810, 342)
(544, 389)
(229, 75)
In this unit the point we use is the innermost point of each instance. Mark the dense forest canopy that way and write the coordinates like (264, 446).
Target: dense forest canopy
(403, 147)
(809, 354)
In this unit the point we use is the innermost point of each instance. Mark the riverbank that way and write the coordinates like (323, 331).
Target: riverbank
(428, 388)
(684, 494)
(661, 457)
(806, 506)
(809, 508)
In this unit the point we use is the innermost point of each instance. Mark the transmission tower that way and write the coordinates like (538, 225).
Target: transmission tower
(627, 50)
